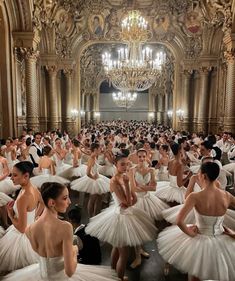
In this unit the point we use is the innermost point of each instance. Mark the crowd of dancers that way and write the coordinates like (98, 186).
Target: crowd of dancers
(146, 173)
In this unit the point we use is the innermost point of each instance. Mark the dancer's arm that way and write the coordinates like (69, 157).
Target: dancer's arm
(69, 251)
(191, 184)
(19, 222)
(188, 206)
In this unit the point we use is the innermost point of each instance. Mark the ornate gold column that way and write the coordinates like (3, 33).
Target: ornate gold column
(87, 108)
(32, 108)
(229, 119)
(70, 120)
(185, 100)
(53, 98)
(203, 99)
(213, 122)
(196, 87)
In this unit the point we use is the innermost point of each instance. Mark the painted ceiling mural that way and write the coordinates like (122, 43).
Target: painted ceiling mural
(73, 23)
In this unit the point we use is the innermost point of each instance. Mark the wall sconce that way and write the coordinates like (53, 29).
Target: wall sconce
(97, 114)
(170, 113)
(151, 114)
(74, 114)
(82, 113)
(180, 114)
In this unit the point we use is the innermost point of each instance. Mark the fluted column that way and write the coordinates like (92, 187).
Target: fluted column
(166, 107)
(213, 122)
(185, 101)
(160, 109)
(196, 87)
(82, 106)
(203, 99)
(32, 99)
(88, 109)
(229, 119)
(70, 104)
(53, 98)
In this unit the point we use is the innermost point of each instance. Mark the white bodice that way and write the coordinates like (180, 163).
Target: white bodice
(142, 179)
(107, 163)
(52, 268)
(69, 158)
(58, 161)
(1, 169)
(95, 168)
(209, 225)
(46, 171)
(196, 187)
(8, 156)
(30, 215)
(164, 169)
(173, 181)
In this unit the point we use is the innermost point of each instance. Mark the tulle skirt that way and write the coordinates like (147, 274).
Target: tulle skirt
(83, 273)
(39, 180)
(4, 199)
(2, 232)
(205, 257)
(107, 170)
(61, 168)
(88, 185)
(171, 214)
(74, 172)
(170, 193)
(122, 227)
(7, 186)
(152, 205)
(15, 250)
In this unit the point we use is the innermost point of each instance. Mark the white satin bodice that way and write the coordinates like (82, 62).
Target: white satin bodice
(107, 163)
(173, 181)
(30, 215)
(46, 171)
(52, 268)
(209, 225)
(196, 187)
(1, 169)
(95, 169)
(142, 179)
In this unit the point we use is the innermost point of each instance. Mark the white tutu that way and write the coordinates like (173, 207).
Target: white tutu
(170, 215)
(74, 172)
(122, 227)
(152, 205)
(7, 186)
(108, 169)
(170, 192)
(89, 185)
(39, 180)
(52, 269)
(2, 232)
(15, 250)
(4, 199)
(209, 255)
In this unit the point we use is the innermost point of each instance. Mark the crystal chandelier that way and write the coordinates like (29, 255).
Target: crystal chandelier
(136, 68)
(123, 99)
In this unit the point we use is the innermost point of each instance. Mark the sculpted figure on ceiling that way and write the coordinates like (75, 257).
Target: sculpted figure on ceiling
(100, 20)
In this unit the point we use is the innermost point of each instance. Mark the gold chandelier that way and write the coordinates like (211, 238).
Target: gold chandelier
(124, 99)
(136, 68)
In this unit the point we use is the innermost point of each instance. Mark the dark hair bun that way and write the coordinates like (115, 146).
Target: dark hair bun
(211, 169)
(51, 190)
(25, 167)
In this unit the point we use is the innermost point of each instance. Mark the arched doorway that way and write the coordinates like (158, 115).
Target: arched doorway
(110, 111)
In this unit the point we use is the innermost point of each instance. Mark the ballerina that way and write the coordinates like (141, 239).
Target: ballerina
(10, 154)
(57, 255)
(47, 169)
(142, 182)
(59, 157)
(108, 169)
(122, 225)
(78, 169)
(175, 190)
(6, 184)
(15, 249)
(92, 182)
(170, 215)
(162, 164)
(203, 250)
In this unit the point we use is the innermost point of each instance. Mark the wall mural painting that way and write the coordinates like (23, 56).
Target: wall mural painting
(96, 25)
(193, 22)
